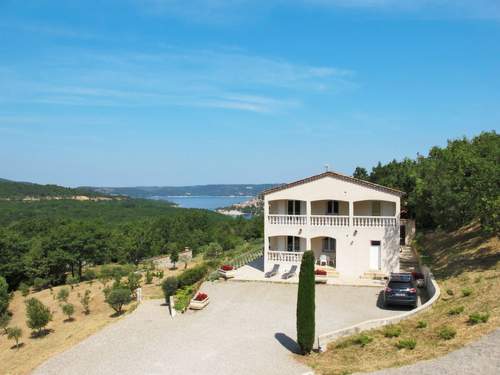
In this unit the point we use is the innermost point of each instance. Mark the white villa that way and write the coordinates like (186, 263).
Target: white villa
(353, 226)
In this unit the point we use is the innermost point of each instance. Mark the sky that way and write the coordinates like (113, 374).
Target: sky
(172, 92)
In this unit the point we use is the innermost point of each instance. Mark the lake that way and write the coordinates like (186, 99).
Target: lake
(206, 202)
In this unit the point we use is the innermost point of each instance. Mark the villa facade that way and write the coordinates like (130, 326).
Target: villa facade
(351, 225)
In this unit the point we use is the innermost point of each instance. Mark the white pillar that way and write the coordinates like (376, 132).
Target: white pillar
(308, 211)
(308, 243)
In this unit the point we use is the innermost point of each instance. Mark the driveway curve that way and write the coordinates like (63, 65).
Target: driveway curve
(248, 328)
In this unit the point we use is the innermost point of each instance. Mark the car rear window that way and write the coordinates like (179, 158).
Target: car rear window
(399, 285)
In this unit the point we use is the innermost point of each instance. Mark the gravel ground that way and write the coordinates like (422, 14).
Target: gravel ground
(479, 358)
(248, 328)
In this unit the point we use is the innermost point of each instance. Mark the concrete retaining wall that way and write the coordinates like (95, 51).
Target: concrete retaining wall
(433, 292)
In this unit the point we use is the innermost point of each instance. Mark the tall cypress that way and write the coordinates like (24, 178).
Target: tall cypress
(306, 306)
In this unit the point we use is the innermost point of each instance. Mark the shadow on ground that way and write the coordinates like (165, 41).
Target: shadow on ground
(289, 343)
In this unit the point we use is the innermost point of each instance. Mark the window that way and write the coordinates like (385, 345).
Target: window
(329, 245)
(332, 207)
(293, 243)
(375, 208)
(293, 207)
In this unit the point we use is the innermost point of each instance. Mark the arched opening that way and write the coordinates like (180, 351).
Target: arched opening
(325, 250)
(287, 243)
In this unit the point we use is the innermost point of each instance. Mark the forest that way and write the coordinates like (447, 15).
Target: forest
(449, 187)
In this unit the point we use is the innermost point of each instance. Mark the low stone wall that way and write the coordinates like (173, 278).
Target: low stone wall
(433, 292)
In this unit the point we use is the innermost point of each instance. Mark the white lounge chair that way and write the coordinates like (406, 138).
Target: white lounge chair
(273, 272)
(291, 273)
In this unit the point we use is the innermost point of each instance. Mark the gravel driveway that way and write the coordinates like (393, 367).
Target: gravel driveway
(248, 328)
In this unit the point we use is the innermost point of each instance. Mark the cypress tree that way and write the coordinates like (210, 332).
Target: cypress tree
(306, 304)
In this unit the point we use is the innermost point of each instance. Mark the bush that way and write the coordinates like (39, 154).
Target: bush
(72, 280)
(421, 324)
(89, 275)
(306, 304)
(183, 298)
(4, 295)
(477, 318)
(392, 331)
(25, 289)
(447, 333)
(169, 287)
(117, 297)
(456, 310)
(362, 339)
(68, 310)
(406, 344)
(39, 284)
(149, 277)
(38, 315)
(5, 319)
(466, 292)
(14, 333)
(62, 295)
(134, 281)
(193, 275)
(85, 301)
(449, 292)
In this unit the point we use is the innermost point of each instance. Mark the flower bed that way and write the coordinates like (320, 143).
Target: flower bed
(320, 272)
(199, 302)
(320, 276)
(226, 271)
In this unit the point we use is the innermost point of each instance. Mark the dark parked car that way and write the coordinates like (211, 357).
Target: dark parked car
(400, 290)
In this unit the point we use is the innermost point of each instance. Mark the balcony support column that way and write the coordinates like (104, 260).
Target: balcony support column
(308, 243)
(308, 211)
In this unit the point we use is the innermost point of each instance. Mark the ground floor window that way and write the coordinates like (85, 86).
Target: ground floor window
(329, 245)
(293, 243)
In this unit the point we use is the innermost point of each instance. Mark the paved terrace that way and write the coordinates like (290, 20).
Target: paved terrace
(248, 328)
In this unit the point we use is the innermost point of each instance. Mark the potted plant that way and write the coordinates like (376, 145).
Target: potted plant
(320, 276)
(226, 271)
(199, 301)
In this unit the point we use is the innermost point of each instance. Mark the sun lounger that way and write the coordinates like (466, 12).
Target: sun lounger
(273, 272)
(290, 273)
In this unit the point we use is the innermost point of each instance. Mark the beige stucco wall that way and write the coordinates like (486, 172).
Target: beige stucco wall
(353, 243)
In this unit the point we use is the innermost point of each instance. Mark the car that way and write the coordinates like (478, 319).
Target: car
(400, 290)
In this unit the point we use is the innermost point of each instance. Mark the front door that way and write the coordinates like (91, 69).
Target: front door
(375, 255)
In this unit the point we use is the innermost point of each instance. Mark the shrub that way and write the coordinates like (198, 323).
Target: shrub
(149, 277)
(5, 319)
(306, 304)
(406, 344)
(169, 287)
(14, 333)
(85, 301)
(63, 294)
(38, 315)
(392, 331)
(72, 280)
(25, 289)
(134, 281)
(183, 297)
(68, 310)
(456, 310)
(117, 297)
(477, 318)
(421, 324)
(4, 295)
(362, 339)
(160, 274)
(447, 333)
(39, 284)
(466, 292)
(478, 279)
(89, 275)
(449, 292)
(193, 275)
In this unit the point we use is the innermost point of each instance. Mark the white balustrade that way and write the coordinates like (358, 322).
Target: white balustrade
(330, 220)
(284, 256)
(287, 219)
(375, 221)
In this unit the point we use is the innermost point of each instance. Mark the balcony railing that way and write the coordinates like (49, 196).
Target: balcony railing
(374, 221)
(285, 256)
(333, 220)
(287, 219)
(330, 220)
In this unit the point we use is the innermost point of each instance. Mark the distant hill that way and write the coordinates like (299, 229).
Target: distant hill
(14, 190)
(197, 190)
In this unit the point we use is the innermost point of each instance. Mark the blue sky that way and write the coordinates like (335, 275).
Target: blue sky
(170, 92)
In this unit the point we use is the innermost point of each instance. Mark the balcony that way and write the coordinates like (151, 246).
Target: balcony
(333, 220)
(285, 256)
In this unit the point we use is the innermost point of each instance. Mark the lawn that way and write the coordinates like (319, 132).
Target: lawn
(466, 266)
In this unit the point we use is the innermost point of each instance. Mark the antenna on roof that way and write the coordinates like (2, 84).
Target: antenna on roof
(327, 167)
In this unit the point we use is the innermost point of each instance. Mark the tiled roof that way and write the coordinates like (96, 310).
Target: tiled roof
(337, 176)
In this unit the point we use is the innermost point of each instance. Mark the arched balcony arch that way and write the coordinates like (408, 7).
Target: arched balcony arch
(325, 250)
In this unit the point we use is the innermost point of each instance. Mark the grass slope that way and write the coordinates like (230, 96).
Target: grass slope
(464, 260)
